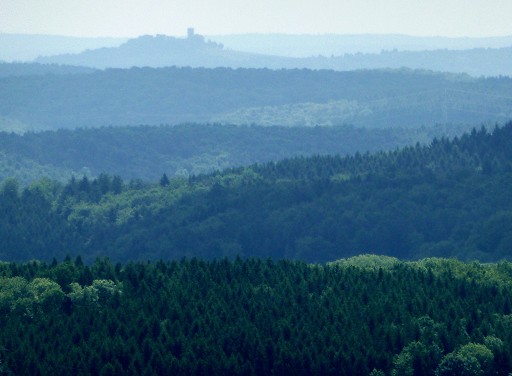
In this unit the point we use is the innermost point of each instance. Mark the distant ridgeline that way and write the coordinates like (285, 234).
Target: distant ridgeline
(451, 198)
(196, 51)
(366, 315)
(296, 97)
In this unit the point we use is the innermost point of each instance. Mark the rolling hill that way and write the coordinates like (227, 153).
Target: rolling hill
(448, 199)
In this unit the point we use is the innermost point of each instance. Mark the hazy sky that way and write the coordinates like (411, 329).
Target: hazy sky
(129, 18)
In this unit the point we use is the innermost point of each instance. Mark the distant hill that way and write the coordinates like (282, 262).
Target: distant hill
(399, 98)
(196, 51)
(165, 51)
(446, 199)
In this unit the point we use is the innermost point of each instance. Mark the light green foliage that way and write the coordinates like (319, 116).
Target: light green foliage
(18, 295)
(123, 207)
(341, 177)
(12, 293)
(45, 290)
(402, 364)
(479, 352)
(369, 262)
(454, 364)
(301, 114)
(105, 288)
(493, 343)
(485, 273)
(83, 295)
(470, 359)
(416, 356)
(99, 292)
(26, 170)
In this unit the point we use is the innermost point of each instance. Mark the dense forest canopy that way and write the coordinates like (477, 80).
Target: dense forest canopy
(363, 316)
(450, 198)
(173, 95)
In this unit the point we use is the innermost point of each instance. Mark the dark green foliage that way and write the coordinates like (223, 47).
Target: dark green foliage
(451, 198)
(257, 317)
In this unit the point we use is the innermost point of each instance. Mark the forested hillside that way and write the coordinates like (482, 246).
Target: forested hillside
(175, 95)
(451, 198)
(363, 316)
(146, 152)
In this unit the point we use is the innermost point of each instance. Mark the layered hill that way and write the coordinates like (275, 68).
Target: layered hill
(146, 152)
(450, 198)
(243, 96)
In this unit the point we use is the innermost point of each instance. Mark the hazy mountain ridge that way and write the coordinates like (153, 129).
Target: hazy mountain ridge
(195, 51)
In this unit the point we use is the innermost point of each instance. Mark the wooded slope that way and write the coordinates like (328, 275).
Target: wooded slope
(451, 198)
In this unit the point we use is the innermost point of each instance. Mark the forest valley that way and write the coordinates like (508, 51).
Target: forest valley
(266, 269)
